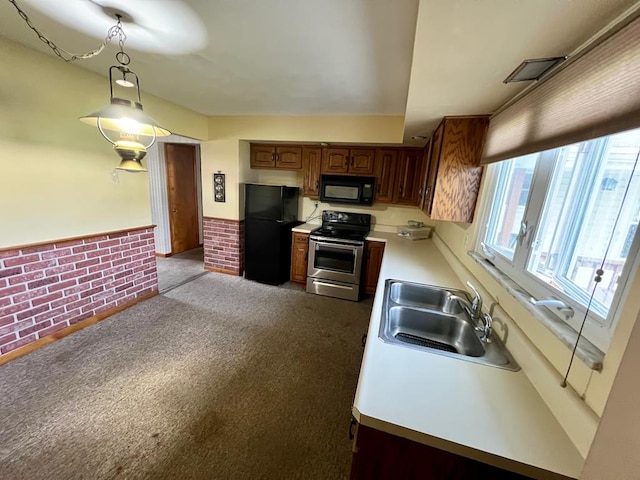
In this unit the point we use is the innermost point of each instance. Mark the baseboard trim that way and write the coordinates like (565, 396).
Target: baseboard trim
(222, 270)
(164, 255)
(41, 342)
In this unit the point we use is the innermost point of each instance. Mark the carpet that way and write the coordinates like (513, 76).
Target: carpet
(178, 269)
(221, 378)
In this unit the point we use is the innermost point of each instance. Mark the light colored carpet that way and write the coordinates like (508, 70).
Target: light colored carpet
(221, 378)
(179, 269)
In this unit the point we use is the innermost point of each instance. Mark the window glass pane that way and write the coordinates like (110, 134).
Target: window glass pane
(509, 203)
(591, 211)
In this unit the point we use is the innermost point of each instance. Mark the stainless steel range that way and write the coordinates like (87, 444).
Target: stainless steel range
(335, 254)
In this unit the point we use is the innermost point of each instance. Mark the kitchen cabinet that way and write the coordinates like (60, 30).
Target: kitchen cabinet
(373, 252)
(348, 161)
(299, 255)
(283, 157)
(409, 175)
(453, 180)
(386, 164)
(379, 455)
(311, 161)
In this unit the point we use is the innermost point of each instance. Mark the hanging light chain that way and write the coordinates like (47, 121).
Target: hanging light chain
(114, 31)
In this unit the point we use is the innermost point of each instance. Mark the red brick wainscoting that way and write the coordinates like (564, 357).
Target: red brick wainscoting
(223, 245)
(47, 287)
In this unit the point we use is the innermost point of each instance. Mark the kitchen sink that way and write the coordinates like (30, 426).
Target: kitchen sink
(432, 319)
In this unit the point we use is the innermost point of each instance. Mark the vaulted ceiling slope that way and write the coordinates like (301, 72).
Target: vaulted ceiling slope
(420, 58)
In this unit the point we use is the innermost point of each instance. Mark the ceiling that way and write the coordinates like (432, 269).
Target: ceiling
(328, 57)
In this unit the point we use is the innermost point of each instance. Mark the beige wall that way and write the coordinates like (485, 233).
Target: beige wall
(228, 150)
(57, 174)
(542, 356)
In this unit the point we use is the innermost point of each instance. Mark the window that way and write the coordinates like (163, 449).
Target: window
(559, 215)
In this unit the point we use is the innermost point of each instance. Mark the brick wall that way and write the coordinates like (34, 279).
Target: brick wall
(47, 287)
(223, 245)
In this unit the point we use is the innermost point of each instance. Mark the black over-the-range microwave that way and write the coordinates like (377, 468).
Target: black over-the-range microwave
(347, 189)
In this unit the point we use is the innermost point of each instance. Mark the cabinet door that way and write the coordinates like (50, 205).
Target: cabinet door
(434, 160)
(311, 160)
(386, 164)
(361, 161)
(373, 252)
(299, 253)
(335, 160)
(458, 177)
(263, 156)
(289, 158)
(409, 173)
(426, 154)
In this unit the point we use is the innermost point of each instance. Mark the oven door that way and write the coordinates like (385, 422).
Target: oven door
(337, 261)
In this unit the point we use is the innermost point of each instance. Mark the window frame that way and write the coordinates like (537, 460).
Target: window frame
(597, 329)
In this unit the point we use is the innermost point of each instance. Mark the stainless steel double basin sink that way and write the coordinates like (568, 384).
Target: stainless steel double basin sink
(432, 319)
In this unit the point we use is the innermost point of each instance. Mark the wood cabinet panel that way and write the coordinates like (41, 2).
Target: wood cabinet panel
(379, 455)
(262, 156)
(299, 255)
(386, 164)
(361, 160)
(311, 163)
(289, 158)
(434, 158)
(335, 160)
(373, 252)
(408, 176)
(457, 179)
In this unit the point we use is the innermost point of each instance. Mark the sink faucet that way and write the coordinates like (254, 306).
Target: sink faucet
(486, 328)
(474, 308)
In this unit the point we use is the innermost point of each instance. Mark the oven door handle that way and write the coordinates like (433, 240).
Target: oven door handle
(340, 246)
(332, 285)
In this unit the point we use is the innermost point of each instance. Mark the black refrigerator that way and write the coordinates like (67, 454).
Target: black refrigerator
(270, 212)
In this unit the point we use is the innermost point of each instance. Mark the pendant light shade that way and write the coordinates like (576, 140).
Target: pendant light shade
(124, 124)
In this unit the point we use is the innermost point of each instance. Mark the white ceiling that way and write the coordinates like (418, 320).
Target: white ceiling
(324, 57)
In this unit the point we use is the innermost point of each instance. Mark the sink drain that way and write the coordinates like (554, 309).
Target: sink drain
(425, 342)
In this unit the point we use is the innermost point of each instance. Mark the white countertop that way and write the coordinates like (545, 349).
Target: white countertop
(482, 412)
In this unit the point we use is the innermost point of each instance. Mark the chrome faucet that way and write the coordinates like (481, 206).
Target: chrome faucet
(487, 322)
(554, 302)
(474, 308)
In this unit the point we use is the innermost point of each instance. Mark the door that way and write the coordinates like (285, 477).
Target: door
(299, 253)
(361, 161)
(373, 252)
(385, 172)
(335, 160)
(182, 197)
(434, 164)
(311, 159)
(262, 156)
(409, 174)
(289, 157)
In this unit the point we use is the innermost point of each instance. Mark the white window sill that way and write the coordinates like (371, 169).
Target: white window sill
(586, 351)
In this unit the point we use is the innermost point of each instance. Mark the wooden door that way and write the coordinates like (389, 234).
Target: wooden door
(361, 161)
(434, 162)
(335, 160)
(182, 196)
(311, 160)
(373, 252)
(263, 156)
(299, 253)
(408, 177)
(386, 163)
(289, 158)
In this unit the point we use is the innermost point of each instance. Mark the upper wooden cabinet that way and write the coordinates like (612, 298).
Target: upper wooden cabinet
(409, 176)
(283, 157)
(348, 160)
(453, 180)
(386, 164)
(311, 160)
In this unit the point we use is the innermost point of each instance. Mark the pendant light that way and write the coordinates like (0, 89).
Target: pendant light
(123, 122)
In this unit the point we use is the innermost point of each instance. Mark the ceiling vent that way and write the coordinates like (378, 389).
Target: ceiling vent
(533, 69)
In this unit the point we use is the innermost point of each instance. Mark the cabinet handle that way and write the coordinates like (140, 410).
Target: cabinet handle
(364, 340)
(378, 188)
(420, 193)
(352, 161)
(317, 184)
(400, 190)
(277, 157)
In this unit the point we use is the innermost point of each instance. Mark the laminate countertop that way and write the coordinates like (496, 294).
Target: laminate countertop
(486, 413)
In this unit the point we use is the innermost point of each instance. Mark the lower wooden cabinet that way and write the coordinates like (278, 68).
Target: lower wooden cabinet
(379, 455)
(299, 254)
(373, 252)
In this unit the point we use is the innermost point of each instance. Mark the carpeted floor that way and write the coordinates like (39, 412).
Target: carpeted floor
(220, 378)
(178, 269)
